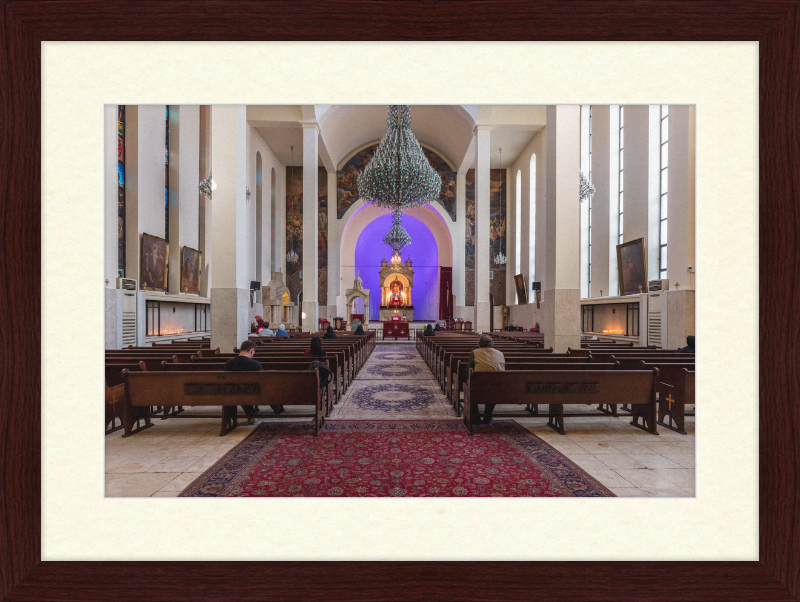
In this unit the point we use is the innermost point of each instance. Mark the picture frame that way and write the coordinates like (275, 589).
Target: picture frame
(191, 270)
(154, 266)
(25, 574)
(522, 291)
(632, 267)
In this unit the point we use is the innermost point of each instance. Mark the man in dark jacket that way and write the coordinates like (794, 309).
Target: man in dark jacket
(689, 346)
(244, 362)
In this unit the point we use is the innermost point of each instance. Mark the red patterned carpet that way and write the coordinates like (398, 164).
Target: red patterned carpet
(363, 458)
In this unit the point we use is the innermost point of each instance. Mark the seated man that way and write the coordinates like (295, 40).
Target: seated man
(282, 334)
(244, 362)
(266, 332)
(486, 359)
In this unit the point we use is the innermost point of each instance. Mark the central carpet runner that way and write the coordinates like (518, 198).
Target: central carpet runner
(402, 458)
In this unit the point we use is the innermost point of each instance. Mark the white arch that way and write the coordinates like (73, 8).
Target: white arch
(343, 237)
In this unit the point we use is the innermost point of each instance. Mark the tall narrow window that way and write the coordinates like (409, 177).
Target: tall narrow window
(621, 167)
(589, 237)
(518, 223)
(662, 235)
(121, 190)
(532, 224)
(166, 174)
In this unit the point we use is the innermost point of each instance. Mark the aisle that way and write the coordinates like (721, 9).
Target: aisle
(394, 384)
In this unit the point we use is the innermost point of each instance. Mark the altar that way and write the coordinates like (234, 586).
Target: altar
(387, 312)
(397, 282)
(395, 330)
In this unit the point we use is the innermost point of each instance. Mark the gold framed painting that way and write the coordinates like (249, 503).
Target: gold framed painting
(155, 253)
(191, 260)
(632, 266)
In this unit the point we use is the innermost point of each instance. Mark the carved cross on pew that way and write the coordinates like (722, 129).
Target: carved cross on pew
(670, 401)
(106, 281)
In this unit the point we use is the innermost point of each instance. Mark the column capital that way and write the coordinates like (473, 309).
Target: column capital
(309, 125)
(482, 126)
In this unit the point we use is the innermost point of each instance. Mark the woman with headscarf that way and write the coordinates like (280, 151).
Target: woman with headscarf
(359, 331)
(428, 332)
(315, 349)
(438, 328)
(282, 334)
(329, 334)
(355, 324)
(689, 346)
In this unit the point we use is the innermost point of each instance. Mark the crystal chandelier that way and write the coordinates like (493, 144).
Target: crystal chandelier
(292, 257)
(587, 188)
(397, 237)
(500, 259)
(399, 175)
(207, 186)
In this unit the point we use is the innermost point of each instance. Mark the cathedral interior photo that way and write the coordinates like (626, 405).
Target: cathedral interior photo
(399, 301)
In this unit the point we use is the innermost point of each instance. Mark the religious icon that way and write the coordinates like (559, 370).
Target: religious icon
(190, 271)
(632, 266)
(522, 292)
(155, 252)
(396, 294)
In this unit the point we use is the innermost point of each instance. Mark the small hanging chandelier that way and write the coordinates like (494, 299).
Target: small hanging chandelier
(399, 176)
(397, 237)
(292, 257)
(587, 188)
(208, 185)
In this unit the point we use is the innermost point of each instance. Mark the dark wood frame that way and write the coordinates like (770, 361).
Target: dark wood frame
(775, 576)
(148, 287)
(630, 243)
(199, 269)
(521, 289)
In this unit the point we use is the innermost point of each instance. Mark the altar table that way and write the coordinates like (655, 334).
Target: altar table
(395, 330)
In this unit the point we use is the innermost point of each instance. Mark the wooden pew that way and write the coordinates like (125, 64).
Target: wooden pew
(226, 389)
(288, 365)
(675, 390)
(560, 387)
(461, 370)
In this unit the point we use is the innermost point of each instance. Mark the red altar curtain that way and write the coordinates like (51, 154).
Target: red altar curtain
(445, 293)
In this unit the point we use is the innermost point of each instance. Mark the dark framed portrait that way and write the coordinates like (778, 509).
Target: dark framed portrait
(191, 260)
(632, 265)
(522, 292)
(155, 255)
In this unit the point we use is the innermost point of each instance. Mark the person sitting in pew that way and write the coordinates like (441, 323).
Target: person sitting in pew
(315, 349)
(438, 328)
(359, 331)
(428, 332)
(282, 334)
(689, 346)
(265, 331)
(244, 362)
(329, 334)
(486, 359)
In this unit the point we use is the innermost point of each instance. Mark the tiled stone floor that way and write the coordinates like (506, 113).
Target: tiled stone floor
(161, 461)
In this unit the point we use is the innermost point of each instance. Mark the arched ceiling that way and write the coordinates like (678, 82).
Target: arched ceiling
(346, 128)
(448, 129)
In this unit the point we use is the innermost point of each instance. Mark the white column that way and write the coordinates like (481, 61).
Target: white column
(562, 322)
(230, 295)
(584, 217)
(184, 176)
(204, 206)
(334, 261)
(680, 204)
(113, 311)
(482, 219)
(641, 174)
(310, 226)
(602, 153)
(459, 247)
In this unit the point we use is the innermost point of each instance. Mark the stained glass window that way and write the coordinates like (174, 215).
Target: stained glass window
(121, 190)
(166, 175)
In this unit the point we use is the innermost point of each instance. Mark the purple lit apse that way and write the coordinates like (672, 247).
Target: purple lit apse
(424, 253)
